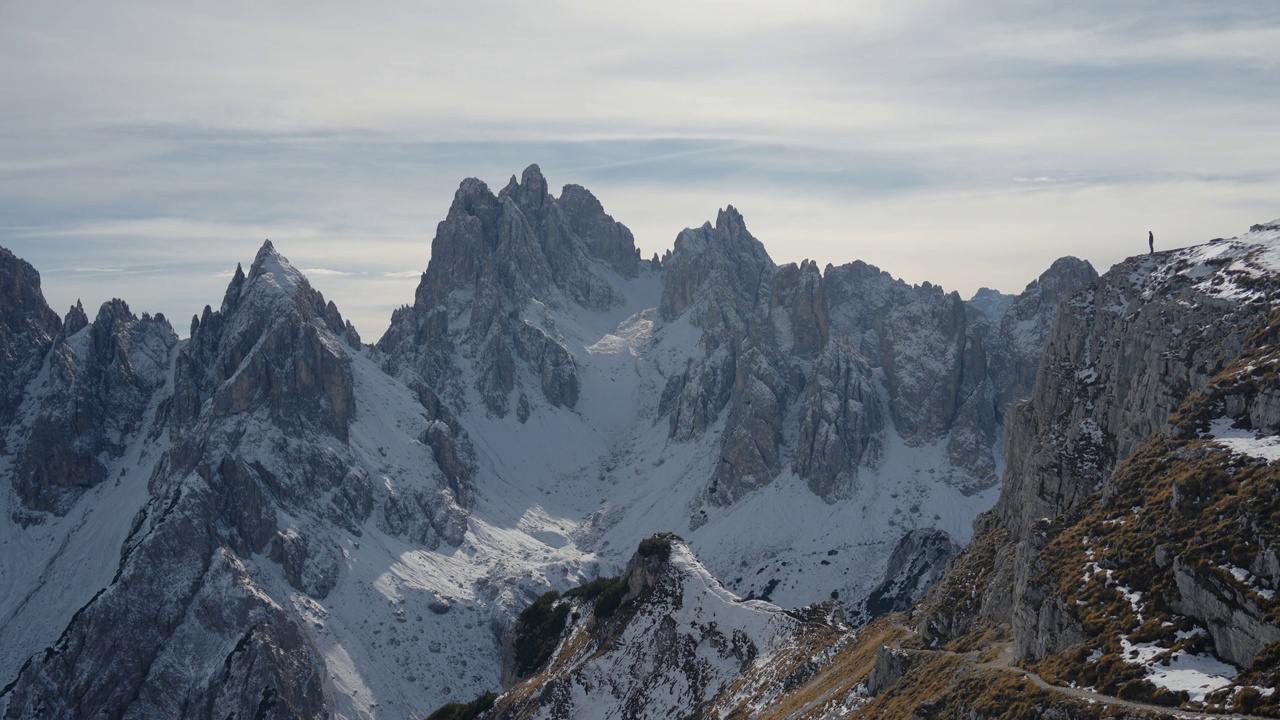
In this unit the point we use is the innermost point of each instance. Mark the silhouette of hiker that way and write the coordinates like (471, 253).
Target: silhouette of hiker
(1151, 241)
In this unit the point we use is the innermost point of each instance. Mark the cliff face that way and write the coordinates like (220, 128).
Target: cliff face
(27, 329)
(853, 351)
(1026, 323)
(1130, 548)
(1121, 358)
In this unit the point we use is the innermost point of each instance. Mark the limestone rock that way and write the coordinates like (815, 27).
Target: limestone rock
(1233, 619)
(919, 558)
(890, 666)
(1123, 354)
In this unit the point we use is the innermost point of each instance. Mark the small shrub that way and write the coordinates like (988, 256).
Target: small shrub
(465, 711)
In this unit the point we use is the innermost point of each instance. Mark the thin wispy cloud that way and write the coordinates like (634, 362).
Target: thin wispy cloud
(967, 143)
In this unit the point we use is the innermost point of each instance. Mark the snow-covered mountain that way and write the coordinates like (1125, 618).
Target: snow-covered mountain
(274, 519)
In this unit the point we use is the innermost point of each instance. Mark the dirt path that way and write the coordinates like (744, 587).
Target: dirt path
(1004, 663)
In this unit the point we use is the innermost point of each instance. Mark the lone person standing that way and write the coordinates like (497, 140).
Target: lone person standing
(1151, 242)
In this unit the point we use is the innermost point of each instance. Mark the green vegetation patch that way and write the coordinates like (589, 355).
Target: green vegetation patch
(658, 546)
(541, 625)
(607, 592)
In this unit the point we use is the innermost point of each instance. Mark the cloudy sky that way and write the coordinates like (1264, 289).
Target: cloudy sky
(147, 147)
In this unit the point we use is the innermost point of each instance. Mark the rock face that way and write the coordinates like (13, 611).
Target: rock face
(27, 329)
(102, 378)
(258, 467)
(853, 350)
(1121, 358)
(269, 346)
(917, 562)
(1231, 615)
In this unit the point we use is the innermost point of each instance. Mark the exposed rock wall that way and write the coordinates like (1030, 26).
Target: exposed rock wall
(27, 329)
(102, 377)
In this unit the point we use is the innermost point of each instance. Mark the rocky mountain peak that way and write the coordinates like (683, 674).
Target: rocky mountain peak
(22, 304)
(271, 272)
(100, 384)
(530, 192)
(729, 220)
(725, 259)
(275, 342)
(494, 257)
(75, 321)
(991, 303)
(1026, 323)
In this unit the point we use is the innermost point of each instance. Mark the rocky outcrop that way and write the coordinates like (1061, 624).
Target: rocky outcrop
(889, 668)
(102, 378)
(27, 329)
(1231, 616)
(718, 274)
(678, 643)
